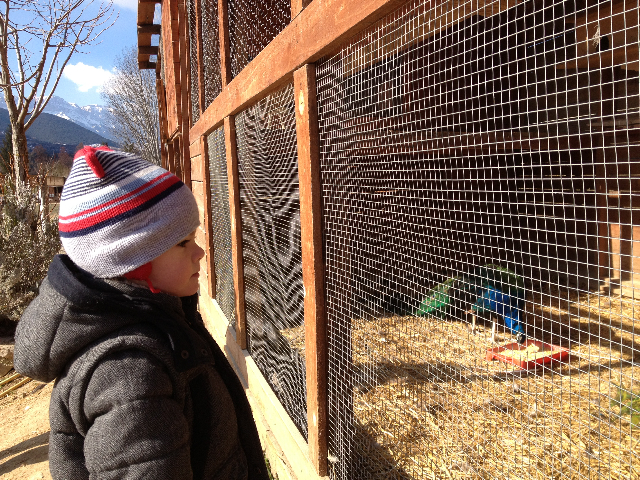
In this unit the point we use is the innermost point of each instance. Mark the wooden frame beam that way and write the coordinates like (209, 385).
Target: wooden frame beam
(208, 227)
(185, 98)
(236, 229)
(311, 35)
(147, 50)
(297, 6)
(145, 65)
(225, 46)
(315, 321)
(152, 28)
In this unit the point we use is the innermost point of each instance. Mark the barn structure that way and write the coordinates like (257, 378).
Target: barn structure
(394, 194)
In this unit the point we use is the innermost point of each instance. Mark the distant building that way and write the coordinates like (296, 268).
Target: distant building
(53, 185)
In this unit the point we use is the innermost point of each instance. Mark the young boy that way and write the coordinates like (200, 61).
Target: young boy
(142, 390)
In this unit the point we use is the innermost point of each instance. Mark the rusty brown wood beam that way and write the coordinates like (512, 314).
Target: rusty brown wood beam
(146, 65)
(312, 34)
(152, 28)
(147, 50)
(304, 81)
(208, 227)
(225, 48)
(297, 6)
(185, 100)
(236, 229)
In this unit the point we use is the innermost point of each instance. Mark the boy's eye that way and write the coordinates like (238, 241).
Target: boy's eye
(183, 243)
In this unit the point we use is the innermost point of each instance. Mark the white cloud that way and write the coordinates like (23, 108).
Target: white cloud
(87, 77)
(129, 4)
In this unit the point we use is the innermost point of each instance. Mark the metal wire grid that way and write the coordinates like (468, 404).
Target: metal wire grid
(194, 83)
(270, 209)
(211, 51)
(252, 26)
(483, 163)
(221, 225)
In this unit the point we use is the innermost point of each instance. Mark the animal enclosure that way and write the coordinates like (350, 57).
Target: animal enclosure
(422, 223)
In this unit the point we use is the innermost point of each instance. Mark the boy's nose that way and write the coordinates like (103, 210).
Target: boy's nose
(199, 254)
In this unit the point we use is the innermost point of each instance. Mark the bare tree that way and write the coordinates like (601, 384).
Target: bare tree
(130, 96)
(43, 35)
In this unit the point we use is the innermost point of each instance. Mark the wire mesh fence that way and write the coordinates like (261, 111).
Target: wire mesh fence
(221, 222)
(270, 209)
(480, 168)
(210, 51)
(252, 26)
(194, 82)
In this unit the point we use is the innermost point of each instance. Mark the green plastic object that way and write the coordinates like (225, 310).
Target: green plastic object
(629, 404)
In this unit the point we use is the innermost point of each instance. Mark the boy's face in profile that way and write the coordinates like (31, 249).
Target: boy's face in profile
(176, 271)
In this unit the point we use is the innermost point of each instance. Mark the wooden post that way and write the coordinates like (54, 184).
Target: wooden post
(304, 80)
(208, 226)
(602, 187)
(171, 161)
(162, 120)
(297, 6)
(236, 229)
(225, 46)
(185, 98)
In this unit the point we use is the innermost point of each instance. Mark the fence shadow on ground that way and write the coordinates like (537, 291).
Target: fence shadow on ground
(30, 451)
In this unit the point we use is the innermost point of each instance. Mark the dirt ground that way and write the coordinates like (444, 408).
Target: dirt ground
(24, 430)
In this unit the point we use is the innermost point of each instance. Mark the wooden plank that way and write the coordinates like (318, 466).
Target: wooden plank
(144, 50)
(146, 65)
(304, 80)
(162, 117)
(225, 46)
(185, 102)
(208, 232)
(291, 446)
(144, 40)
(236, 229)
(171, 160)
(606, 94)
(197, 188)
(177, 153)
(307, 38)
(195, 148)
(197, 168)
(297, 6)
(146, 12)
(169, 70)
(153, 29)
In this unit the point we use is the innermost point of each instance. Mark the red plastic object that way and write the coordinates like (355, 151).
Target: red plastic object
(556, 354)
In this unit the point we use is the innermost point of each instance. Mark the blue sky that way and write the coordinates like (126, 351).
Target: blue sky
(85, 73)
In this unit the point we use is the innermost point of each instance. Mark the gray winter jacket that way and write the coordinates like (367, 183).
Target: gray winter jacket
(142, 390)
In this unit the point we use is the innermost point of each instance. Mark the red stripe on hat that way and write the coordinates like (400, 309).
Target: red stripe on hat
(118, 209)
(119, 199)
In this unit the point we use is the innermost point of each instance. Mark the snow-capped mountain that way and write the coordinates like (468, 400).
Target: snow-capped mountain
(92, 117)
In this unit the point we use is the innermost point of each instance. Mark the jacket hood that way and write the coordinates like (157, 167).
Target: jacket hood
(73, 310)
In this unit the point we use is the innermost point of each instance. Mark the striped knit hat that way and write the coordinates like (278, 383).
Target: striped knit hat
(119, 212)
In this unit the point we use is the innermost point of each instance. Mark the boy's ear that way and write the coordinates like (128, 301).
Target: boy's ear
(143, 272)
